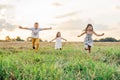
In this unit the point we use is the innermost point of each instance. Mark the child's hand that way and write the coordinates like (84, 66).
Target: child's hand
(78, 36)
(50, 28)
(20, 27)
(103, 34)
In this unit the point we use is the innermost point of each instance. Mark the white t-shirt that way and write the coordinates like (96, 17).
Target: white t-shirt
(35, 32)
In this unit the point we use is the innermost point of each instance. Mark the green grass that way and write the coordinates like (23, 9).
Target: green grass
(72, 63)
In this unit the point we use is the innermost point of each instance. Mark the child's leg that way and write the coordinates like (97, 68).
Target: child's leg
(86, 47)
(33, 43)
(60, 48)
(89, 49)
(37, 44)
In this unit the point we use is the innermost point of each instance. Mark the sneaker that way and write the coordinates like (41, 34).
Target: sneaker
(33, 47)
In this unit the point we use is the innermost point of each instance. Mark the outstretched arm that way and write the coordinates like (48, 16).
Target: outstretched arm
(98, 34)
(63, 39)
(23, 27)
(81, 34)
(47, 28)
(52, 40)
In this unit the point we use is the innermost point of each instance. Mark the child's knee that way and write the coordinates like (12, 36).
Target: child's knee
(37, 43)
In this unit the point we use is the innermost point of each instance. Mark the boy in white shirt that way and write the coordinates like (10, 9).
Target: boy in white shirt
(35, 34)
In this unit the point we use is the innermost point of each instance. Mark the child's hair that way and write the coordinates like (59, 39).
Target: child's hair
(36, 23)
(57, 35)
(88, 26)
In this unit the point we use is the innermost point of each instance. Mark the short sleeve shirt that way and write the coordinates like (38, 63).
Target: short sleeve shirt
(35, 32)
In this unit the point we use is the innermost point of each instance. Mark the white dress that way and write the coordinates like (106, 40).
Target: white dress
(58, 43)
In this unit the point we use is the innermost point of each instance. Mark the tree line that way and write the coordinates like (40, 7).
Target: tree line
(18, 38)
(107, 39)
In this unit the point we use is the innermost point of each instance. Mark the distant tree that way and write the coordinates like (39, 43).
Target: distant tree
(13, 39)
(19, 39)
(107, 39)
(96, 40)
(46, 41)
(41, 40)
(7, 38)
(118, 40)
(29, 39)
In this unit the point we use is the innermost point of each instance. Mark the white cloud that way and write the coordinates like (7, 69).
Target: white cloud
(70, 14)
(5, 25)
(70, 24)
(6, 16)
(79, 24)
(118, 7)
(101, 27)
(57, 4)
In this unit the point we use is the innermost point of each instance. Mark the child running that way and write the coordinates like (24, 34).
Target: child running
(35, 34)
(58, 43)
(88, 41)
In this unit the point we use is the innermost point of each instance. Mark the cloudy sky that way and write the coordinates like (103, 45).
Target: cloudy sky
(70, 17)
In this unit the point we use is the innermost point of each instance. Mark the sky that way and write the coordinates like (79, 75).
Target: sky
(70, 17)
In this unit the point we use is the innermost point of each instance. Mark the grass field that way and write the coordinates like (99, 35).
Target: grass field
(19, 62)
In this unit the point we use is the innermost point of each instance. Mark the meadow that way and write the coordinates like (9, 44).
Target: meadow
(19, 62)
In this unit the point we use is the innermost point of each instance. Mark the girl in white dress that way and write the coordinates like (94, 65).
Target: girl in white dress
(58, 43)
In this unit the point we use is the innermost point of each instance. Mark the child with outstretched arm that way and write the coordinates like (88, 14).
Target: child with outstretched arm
(88, 41)
(35, 34)
(58, 43)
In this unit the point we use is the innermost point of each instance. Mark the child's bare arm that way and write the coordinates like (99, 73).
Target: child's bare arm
(63, 39)
(52, 40)
(81, 34)
(23, 27)
(47, 28)
(98, 34)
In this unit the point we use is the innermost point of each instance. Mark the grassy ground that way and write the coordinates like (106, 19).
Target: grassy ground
(19, 62)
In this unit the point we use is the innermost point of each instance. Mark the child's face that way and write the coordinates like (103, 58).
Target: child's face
(36, 25)
(59, 34)
(90, 28)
